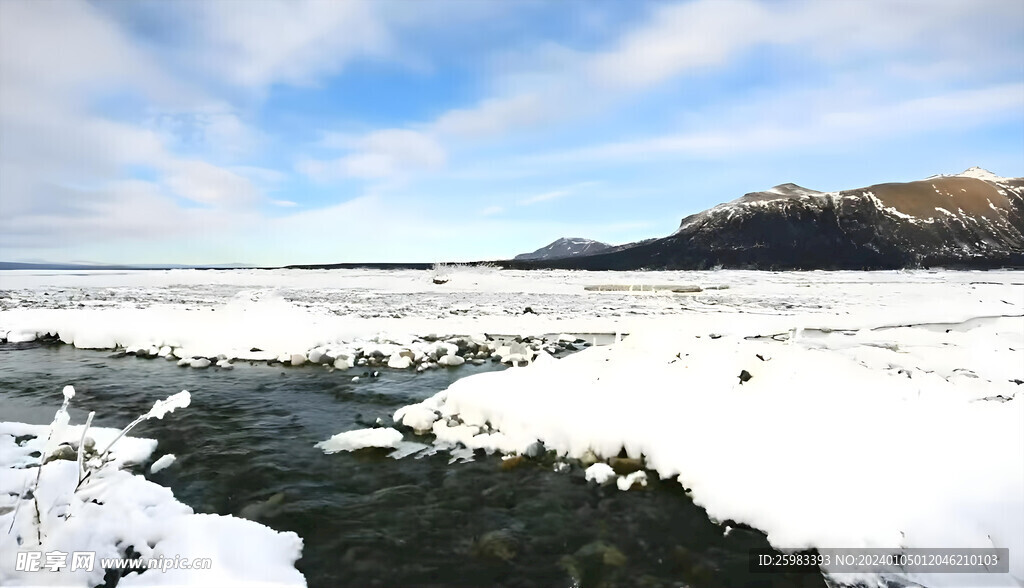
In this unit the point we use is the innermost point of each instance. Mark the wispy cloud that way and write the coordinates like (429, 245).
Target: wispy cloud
(492, 210)
(554, 194)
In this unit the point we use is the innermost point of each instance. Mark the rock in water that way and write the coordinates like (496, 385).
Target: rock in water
(65, 452)
(399, 362)
(625, 465)
(501, 544)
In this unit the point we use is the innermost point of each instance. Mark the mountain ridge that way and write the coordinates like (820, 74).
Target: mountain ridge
(565, 247)
(974, 219)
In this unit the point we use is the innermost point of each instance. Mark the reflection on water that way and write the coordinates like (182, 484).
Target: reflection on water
(245, 447)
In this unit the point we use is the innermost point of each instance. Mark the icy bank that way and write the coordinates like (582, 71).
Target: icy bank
(899, 437)
(116, 510)
(269, 315)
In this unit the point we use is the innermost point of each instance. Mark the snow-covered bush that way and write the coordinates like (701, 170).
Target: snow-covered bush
(88, 460)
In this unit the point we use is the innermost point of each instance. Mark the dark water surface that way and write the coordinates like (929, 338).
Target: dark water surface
(245, 447)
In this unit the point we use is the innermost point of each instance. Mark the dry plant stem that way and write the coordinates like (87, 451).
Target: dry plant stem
(81, 446)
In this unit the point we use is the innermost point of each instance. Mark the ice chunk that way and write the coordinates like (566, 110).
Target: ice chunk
(164, 461)
(361, 439)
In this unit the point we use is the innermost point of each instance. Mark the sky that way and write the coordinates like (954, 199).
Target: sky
(270, 133)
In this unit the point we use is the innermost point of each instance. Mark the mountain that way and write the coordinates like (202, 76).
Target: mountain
(47, 266)
(566, 247)
(970, 220)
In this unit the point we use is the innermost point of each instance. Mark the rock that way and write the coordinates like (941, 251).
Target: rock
(512, 462)
(315, 355)
(298, 359)
(164, 351)
(341, 364)
(600, 473)
(745, 376)
(355, 378)
(407, 353)
(199, 363)
(592, 561)
(588, 458)
(225, 364)
(257, 511)
(89, 443)
(451, 360)
(184, 362)
(399, 362)
(638, 478)
(608, 555)
(501, 544)
(534, 450)
(478, 362)
(626, 465)
(63, 451)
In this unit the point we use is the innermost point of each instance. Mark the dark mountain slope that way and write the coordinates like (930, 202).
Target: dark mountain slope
(974, 220)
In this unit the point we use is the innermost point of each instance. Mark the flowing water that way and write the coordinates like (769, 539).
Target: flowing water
(245, 447)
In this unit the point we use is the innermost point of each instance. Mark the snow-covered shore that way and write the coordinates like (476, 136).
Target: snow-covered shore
(116, 510)
(291, 312)
(904, 437)
(828, 409)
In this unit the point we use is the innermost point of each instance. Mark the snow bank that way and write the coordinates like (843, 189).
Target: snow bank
(263, 315)
(114, 510)
(902, 437)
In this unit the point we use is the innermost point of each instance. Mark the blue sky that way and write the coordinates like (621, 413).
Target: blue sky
(270, 133)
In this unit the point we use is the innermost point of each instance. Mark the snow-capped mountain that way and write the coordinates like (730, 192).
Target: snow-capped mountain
(566, 247)
(972, 219)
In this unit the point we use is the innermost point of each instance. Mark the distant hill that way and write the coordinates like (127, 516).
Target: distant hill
(566, 247)
(13, 265)
(971, 220)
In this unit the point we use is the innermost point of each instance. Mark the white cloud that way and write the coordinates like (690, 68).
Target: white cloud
(379, 154)
(555, 84)
(494, 116)
(680, 37)
(208, 184)
(256, 44)
(845, 125)
(66, 166)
